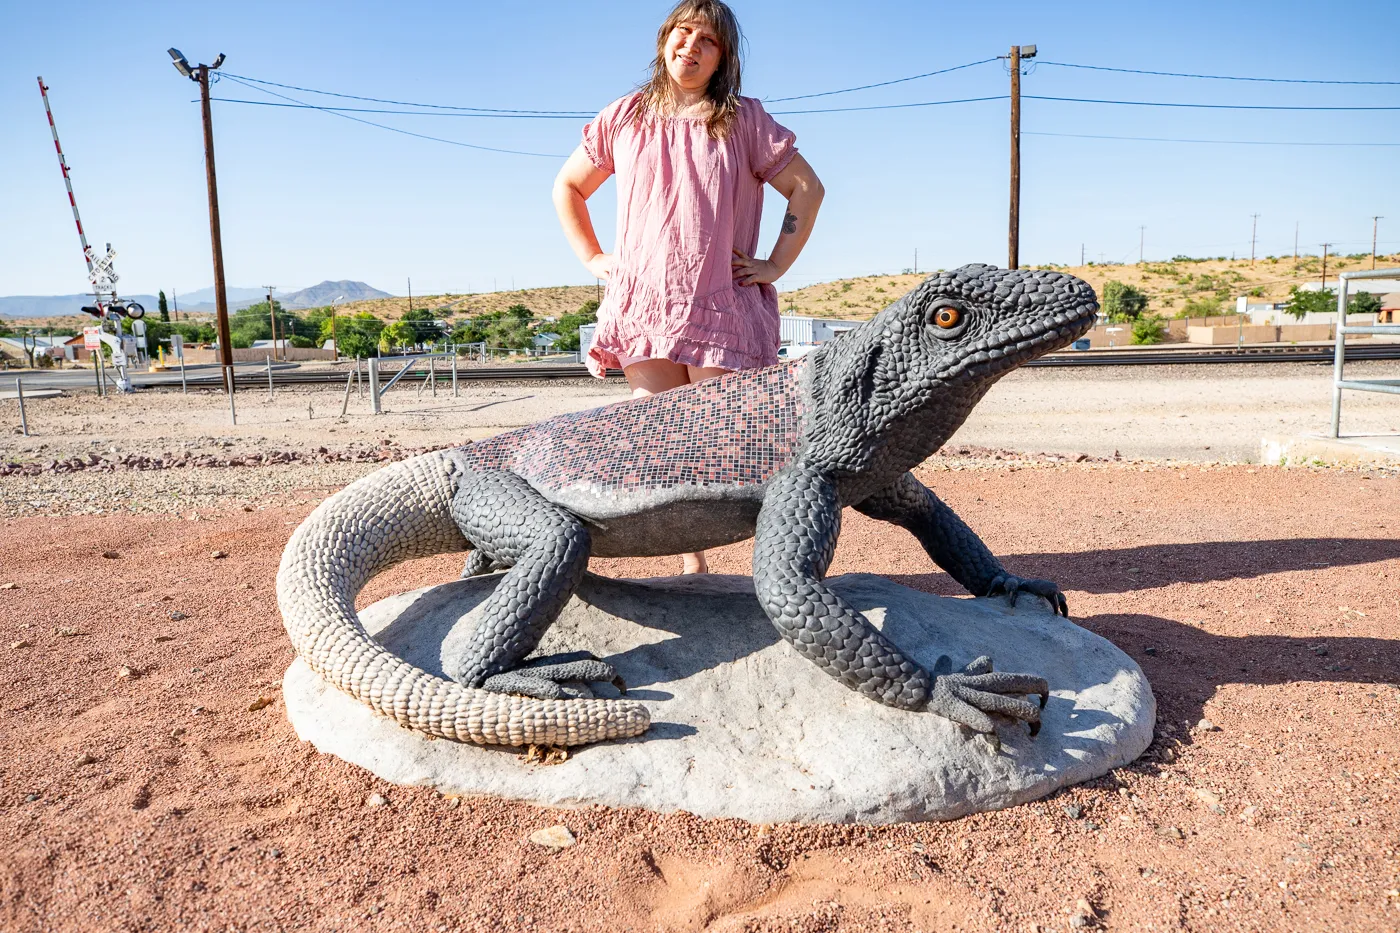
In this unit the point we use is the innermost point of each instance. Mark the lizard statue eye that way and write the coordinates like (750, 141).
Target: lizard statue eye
(947, 317)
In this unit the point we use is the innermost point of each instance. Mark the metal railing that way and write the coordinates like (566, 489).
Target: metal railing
(1389, 386)
(376, 392)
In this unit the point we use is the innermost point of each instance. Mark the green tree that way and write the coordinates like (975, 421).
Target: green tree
(424, 326)
(568, 325)
(163, 307)
(1149, 329)
(1364, 303)
(1122, 302)
(357, 335)
(1301, 302)
(400, 334)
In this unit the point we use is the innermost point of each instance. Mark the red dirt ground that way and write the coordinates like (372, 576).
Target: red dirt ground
(1265, 600)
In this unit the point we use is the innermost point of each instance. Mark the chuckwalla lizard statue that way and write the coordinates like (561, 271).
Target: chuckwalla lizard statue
(773, 454)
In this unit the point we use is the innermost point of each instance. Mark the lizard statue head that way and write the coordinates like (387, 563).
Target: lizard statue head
(909, 377)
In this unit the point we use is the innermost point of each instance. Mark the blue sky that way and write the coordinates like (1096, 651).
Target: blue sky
(306, 196)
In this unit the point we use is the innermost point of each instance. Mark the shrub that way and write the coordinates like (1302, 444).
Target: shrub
(1149, 329)
(1364, 303)
(1301, 302)
(1122, 302)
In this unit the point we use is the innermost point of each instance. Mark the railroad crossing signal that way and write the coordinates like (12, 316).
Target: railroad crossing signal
(102, 276)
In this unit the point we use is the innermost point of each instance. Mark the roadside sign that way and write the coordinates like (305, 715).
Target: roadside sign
(177, 345)
(91, 338)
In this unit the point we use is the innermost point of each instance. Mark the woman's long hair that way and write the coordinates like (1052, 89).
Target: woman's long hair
(723, 89)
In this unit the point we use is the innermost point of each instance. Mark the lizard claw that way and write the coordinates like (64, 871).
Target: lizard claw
(560, 677)
(1013, 586)
(969, 695)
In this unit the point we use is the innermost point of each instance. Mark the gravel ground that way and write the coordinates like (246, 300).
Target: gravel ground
(141, 790)
(1204, 412)
(144, 791)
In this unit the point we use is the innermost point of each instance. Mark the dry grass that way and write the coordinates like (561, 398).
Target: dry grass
(1168, 285)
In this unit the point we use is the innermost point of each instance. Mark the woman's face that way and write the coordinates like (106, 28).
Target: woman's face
(692, 54)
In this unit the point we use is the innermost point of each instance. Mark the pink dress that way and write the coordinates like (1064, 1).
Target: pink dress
(683, 201)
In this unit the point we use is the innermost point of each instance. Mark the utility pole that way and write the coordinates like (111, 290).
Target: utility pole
(272, 317)
(200, 75)
(1324, 265)
(1253, 233)
(916, 260)
(1142, 238)
(1295, 241)
(1081, 254)
(1375, 223)
(1013, 235)
(410, 295)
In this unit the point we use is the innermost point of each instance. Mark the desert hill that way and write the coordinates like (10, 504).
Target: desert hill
(1169, 286)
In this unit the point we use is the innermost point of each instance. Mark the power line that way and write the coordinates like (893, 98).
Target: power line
(1179, 74)
(395, 129)
(407, 113)
(925, 103)
(1153, 103)
(1218, 142)
(405, 103)
(866, 87)
(1215, 142)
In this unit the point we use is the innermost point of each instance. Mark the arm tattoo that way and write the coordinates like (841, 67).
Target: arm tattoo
(789, 222)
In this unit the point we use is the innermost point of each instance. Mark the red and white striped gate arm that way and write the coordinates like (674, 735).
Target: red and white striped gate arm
(63, 164)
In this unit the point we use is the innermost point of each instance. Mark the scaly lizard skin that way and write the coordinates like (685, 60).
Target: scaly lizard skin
(773, 454)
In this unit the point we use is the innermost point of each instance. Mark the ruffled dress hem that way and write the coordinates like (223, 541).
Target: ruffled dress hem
(734, 328)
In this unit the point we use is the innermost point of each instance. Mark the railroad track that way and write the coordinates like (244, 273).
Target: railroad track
(1064, 358)
(253, 377)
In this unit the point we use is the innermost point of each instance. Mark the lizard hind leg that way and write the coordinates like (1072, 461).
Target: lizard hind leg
(546, 548)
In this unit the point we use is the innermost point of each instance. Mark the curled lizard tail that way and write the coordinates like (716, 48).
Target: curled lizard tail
(395, 514)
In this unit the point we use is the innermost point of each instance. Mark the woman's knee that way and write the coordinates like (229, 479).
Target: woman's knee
(649, 377)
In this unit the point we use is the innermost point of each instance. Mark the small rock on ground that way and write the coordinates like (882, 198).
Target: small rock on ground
(553, 837)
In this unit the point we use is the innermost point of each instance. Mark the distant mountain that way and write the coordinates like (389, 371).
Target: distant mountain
(242, 297)
(328, 292)
(27, 306)
(196, 302)
(56, 305)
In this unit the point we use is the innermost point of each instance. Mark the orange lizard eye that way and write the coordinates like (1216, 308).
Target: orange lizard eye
(947, 317)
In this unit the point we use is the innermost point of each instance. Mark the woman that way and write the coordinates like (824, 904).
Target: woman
(687, 298)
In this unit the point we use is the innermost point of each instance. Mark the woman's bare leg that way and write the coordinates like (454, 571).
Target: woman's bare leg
(649, 377)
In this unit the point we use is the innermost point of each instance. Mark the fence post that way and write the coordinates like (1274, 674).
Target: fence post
(229, 373)
(454, 371)
(432, 373)
(1339, 356)
(269, 378)
(19, 392)
(349, 379)
(374, 384)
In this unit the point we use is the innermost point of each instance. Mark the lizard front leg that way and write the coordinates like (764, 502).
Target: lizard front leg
(952, 545)
(793, 545)
(546, 548)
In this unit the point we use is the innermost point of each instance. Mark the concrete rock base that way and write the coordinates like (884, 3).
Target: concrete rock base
(744, 727)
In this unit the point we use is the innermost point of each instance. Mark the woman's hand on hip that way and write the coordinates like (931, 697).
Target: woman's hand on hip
(750, 271)
(601, 266)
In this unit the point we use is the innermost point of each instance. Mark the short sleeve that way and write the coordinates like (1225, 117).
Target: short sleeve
(771, 146)
(601, 132)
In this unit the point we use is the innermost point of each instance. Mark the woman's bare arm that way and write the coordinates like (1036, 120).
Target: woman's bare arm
(803, 189)
(573, 186)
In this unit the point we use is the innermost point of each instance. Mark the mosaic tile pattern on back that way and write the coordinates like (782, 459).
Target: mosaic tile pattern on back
(737, 430)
